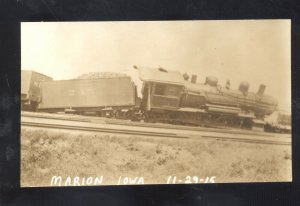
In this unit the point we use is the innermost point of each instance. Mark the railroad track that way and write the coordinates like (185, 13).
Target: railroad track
(98, 129)
(189, 128)
(247, 140)
(55, 116)
(69, 126)
(140, 124)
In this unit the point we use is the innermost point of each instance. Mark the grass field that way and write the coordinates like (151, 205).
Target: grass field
(47, 153)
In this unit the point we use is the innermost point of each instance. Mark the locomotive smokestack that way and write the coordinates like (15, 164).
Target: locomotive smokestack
(261, 89)
(194, 79)
(244, 87)
(227, 86)
(186, 76)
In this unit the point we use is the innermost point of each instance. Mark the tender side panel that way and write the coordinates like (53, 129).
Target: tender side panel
(57, 94)
(106, 92)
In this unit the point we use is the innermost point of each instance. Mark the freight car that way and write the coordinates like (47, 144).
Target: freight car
(102, 96)
(168, 96)
(31, 82)
(279, 122)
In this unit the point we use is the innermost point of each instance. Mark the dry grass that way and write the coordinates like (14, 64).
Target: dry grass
(44, 154)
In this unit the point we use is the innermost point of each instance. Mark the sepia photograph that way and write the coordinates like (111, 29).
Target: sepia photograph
(155, 102)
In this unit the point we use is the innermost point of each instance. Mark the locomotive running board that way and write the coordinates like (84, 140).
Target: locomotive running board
(223, 109)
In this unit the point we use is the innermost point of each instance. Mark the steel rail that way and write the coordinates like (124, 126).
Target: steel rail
(77, 119)
(189, 128)
(247, 140)
(141, 133)
(139, 124)
(98, 129)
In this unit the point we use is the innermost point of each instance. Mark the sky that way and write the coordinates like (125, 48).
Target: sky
(257, 51)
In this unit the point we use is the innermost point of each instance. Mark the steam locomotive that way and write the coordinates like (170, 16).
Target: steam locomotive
(167, 96)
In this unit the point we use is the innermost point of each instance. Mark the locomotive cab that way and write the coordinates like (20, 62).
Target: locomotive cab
(162, 91)
(161, 96)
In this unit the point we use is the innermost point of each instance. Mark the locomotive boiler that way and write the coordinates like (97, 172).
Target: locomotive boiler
(168, 96)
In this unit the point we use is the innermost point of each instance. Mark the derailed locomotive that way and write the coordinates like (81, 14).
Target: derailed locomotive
(169, 97)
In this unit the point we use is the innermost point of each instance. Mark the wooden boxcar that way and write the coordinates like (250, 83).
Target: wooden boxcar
(31, 82)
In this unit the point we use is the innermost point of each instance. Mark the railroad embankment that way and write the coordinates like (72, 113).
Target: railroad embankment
(149, 160)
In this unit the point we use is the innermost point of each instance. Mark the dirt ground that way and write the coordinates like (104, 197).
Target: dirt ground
(150, 160)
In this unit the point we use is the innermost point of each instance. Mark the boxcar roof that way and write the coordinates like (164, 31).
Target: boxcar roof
(160, 75)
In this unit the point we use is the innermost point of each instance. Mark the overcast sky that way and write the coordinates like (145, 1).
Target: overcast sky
(247, 50)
